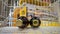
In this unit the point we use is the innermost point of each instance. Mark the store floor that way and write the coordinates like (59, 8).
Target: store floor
(41, 30)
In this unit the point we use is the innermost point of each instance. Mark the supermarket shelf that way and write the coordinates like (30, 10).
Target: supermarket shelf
(48, 19)
(43, 14)
(33, 7)
(44, 8)
(2, 16)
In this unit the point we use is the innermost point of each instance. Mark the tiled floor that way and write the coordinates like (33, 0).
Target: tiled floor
(41, 30)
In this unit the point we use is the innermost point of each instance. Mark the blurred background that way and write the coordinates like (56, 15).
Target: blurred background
(49, 14)
(47, 10)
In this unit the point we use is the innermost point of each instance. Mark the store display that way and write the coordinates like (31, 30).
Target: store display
(33, 13)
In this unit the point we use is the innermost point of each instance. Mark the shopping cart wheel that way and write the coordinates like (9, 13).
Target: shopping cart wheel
(35, 22)
(23, 22)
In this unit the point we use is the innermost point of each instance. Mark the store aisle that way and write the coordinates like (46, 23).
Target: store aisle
(41, 30)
